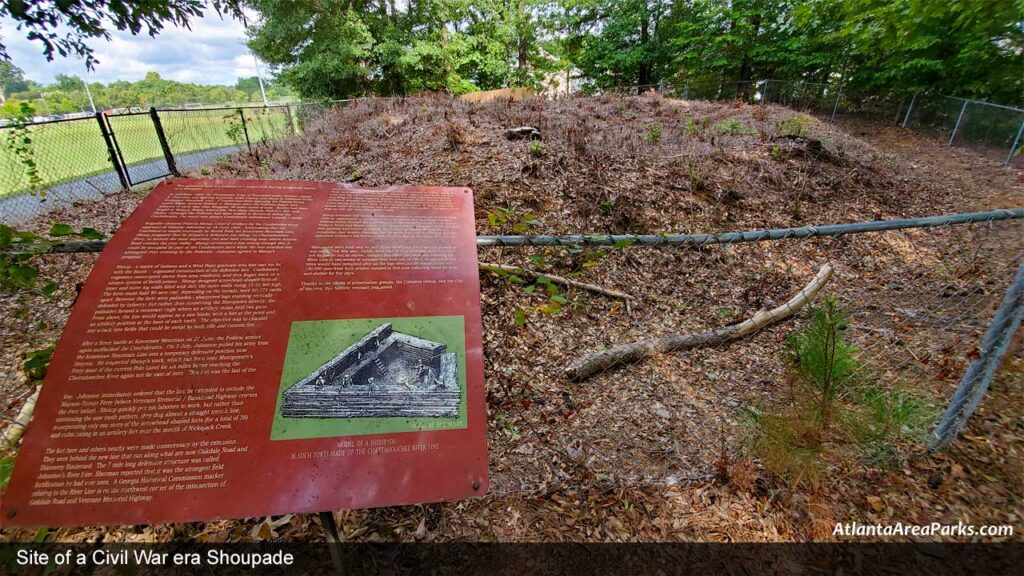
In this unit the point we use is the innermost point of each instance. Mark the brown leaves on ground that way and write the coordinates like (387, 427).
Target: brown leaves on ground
(655, 450)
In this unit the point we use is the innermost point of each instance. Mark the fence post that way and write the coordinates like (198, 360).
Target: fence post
(245, 130)
(899, 110)
(909, 110)
(957, 125)
(168, 155)
(112, 151)
(1016, 140)
(979, 374)
(835, 108)
(291, 120)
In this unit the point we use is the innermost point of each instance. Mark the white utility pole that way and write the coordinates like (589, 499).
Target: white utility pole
(259, 77)
(89, 93)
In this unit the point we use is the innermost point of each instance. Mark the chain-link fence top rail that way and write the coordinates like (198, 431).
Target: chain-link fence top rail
(919, 298)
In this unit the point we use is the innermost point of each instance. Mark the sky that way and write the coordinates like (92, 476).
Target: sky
(212, 52)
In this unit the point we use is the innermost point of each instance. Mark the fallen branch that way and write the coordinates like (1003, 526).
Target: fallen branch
(18, 426)
(556, 279)
(596, 362)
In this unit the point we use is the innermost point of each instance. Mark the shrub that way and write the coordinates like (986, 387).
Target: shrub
(537, 149)
(795, 126)
(831, 398)
(654, 134)
(733, 127)
(823, 360)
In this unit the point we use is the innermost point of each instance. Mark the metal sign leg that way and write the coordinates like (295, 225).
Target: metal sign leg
(333, 539)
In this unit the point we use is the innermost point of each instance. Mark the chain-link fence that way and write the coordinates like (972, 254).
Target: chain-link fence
(49, 164)
(993, 130)
(980, 374)
(990, 129)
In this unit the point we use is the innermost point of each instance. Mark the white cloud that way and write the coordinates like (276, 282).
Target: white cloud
(212, 52)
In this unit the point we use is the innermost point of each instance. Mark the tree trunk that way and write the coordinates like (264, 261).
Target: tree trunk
(645, 38)
(522, 33)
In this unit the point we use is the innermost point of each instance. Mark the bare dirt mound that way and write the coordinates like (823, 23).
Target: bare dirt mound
(609, 164)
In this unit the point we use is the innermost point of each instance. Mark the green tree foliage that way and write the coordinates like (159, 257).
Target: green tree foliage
(67, 94)
(336, 50)
(961, 47)
(970, 48)
(617, 43)
(12, 79)
(738, 41)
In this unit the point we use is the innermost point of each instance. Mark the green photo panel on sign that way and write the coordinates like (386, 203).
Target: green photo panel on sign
(372, 376)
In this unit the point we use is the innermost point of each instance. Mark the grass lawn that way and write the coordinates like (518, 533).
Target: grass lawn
(75, 149)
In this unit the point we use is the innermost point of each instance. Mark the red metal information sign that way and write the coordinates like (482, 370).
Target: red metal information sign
(246, 348)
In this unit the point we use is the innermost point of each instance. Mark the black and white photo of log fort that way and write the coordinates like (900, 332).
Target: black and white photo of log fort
(385, 374)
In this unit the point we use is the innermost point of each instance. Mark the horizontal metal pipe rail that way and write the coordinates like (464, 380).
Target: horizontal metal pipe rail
(751, 235)
(983, 103)
(692, 239)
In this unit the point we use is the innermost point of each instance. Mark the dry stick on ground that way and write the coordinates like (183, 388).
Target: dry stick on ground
(591, 364)
(17, 428)
(556, 279)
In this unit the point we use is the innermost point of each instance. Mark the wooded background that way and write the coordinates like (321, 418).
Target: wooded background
(965, 48)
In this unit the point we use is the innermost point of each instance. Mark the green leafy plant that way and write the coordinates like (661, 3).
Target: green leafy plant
(537, 149)
(540, 284)
(510, 219)
(19, 249)
(654, 133)
(6, 466)
(536, 282)
(831, 398)
(507, 427)
(795, 126)
(18, 141)
(235, 130)
(733, 127)
(37, 362)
